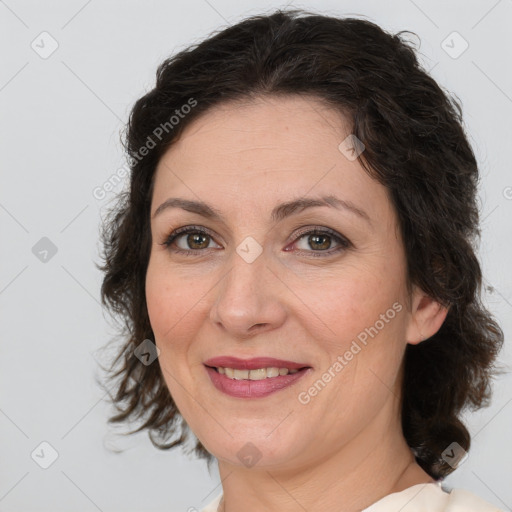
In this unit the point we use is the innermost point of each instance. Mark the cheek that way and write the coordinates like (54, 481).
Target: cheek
(372, 315)
(159, 299)
(169, 294)
(341, 304)
(173, 311)
(362, 319)
(169, 298)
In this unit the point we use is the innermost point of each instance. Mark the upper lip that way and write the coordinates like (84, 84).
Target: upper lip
(252, 364)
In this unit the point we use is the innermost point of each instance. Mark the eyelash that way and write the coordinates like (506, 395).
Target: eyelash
(343, 242)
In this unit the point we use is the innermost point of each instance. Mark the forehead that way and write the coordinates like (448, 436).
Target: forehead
(267, 126)
(265, 149)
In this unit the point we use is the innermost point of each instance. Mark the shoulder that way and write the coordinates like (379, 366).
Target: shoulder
(212, 506)
(418, 498)
(432, 497)
(462, 500)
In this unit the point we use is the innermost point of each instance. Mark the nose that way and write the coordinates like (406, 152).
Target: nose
(249, 298)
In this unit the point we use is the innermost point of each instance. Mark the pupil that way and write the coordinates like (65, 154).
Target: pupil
(315, 240)
(194, 238)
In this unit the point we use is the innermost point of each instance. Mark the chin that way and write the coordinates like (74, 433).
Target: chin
(258, 453)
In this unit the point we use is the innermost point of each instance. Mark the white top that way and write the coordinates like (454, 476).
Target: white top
(429, 497)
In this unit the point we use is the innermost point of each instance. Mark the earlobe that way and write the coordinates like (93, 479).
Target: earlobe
(427, 316)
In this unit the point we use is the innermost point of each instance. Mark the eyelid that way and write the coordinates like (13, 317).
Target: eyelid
(184, 230)
(342, 241)
(311, 229)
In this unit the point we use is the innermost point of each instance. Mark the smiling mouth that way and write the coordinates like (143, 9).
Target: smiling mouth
(256, 374)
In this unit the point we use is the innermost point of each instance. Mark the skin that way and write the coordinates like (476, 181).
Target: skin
(345, 449)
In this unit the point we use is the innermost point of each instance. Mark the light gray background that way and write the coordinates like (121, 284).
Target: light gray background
(60, 122)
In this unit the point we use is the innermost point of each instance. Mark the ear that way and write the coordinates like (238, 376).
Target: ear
(427, 316)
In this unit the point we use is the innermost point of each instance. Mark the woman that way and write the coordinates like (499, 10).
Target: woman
(295, 264)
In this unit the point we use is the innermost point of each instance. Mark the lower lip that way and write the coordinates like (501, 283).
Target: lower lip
(253, 388)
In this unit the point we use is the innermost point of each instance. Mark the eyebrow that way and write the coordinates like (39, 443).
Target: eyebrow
(279, 213)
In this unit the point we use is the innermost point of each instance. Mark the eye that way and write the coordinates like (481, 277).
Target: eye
(195, 239)
(320, 240)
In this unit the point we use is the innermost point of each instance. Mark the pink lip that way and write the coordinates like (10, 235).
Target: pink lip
(253, 388)
(252, 364)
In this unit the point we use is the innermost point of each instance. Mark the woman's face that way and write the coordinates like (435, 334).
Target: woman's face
(257, 285)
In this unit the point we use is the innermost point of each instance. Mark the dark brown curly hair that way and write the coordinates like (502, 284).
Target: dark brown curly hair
(415, 145)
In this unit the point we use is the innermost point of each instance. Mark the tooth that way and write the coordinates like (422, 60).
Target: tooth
(259, 374)
(272, 372)
(256, 374)
(241, 374)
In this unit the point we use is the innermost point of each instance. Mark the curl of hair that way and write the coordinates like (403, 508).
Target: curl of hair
(415, 145)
